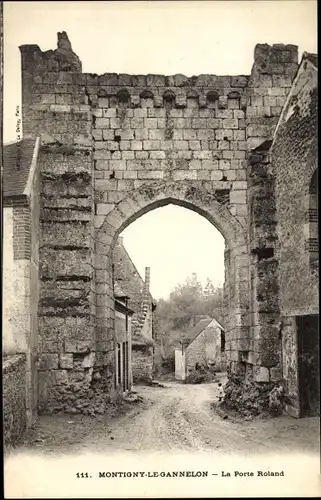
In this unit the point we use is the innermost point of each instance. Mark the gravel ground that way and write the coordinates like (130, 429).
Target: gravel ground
(177, 418)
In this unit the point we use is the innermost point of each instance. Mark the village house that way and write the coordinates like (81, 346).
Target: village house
(123, 342)
(294, 164)
(202, 345)
(143, 305)
(283, 187)
(20, 285)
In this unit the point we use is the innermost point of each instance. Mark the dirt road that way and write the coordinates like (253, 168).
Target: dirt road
(171, 429)
(173, 418)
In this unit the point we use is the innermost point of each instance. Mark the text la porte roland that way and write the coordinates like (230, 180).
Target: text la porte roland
(258, 473)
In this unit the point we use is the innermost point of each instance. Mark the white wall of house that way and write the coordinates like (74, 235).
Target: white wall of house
(180, 364)
(16, 293)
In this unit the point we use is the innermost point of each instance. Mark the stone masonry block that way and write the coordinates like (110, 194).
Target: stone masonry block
(230, 176)
(221, 135)
(150, 122)
(204, 175)
(216, 175)
(152, 174)
(239, 114)
(261, 374)
(155, 135)
(151, 145)
(88, 361)
(238, 197)
(81, 346)
(104, 208)
(155, 80)
(239, 135)
(140, 113)
(239, 81)
(240, 185)
(275, 374)
(185, 175)
(48, 362)
(222, 102)
(224, 114)
(66, 361)
(209, 164)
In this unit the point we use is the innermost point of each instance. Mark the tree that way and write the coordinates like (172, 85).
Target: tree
(209, 288)
(213, 304)
(187, 303)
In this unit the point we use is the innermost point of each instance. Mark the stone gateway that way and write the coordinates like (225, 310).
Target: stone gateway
(115, 146)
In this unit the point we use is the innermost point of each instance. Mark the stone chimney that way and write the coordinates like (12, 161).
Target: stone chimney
(147, 280)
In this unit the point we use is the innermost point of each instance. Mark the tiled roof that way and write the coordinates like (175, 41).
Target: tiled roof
(194, 332)
(128, 278)
(16, 161)
(191, 334)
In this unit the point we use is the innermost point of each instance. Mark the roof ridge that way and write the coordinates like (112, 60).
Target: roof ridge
(18, 162)
(122, 246)
(206, 321)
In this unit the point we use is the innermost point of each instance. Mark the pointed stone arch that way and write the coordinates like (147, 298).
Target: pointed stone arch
(193, 196)
(187, 194)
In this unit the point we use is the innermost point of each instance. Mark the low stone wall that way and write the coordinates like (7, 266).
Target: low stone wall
(14, 398)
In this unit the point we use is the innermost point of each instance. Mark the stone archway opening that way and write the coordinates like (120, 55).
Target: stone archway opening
(176, 296)
(215, 209)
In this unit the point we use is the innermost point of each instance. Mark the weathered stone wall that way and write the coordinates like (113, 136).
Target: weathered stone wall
(66, 315)
(205, 349)
(67, 306)
(294, 165)
(294, 161)
(113, 148)
(142, 364)
(265, 351)
(195, 352)
(14, 398)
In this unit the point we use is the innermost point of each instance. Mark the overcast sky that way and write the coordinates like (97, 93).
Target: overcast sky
(166, 38)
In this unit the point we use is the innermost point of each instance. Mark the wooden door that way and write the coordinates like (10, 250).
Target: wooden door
(308, 364)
